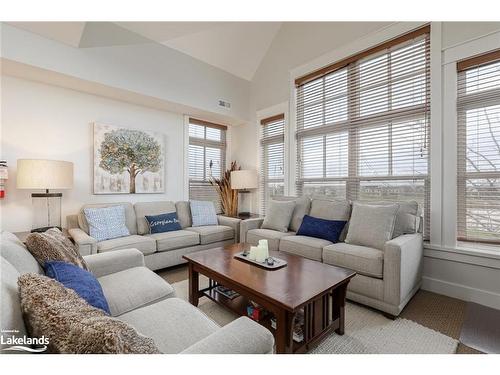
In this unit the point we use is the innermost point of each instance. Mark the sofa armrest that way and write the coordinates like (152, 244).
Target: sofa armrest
(241, 336)
(86, 245)
(402, 266)
(114, 261)
(232, 222)
(247, 225)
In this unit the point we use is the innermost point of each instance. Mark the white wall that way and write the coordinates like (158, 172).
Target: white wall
(150, 69)
(43, 121)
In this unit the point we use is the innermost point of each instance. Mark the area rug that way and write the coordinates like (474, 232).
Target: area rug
(366, 331)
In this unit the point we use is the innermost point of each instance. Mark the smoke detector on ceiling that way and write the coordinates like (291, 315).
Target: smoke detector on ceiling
(224, 103)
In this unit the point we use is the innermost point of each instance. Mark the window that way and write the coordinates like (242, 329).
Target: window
(363, 125)
(272, 148)
(478, 162)
(206, 159)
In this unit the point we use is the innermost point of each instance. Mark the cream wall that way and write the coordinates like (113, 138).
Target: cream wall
(44, 121)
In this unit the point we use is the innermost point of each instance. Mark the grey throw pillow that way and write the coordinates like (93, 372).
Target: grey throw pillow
(73, 326)
(279, 215)
(371, 225)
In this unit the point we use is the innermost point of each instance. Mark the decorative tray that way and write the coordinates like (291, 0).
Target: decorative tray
(278, 263)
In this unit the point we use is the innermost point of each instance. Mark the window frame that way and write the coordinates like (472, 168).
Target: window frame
(466, 102)
(265, 141)
(205, 143)
(353, 180)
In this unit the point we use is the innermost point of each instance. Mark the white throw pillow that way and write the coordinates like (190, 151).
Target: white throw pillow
(371, 225)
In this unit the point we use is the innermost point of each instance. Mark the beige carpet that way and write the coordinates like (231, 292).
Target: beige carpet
(366, 332)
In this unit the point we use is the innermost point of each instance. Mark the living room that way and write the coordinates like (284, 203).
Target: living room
(270, 185)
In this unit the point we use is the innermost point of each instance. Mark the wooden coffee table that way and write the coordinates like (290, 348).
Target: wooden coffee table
(302, 285)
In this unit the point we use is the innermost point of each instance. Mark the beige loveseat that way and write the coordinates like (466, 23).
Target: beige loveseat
(137, 296)
(160, 250)
(387, 277)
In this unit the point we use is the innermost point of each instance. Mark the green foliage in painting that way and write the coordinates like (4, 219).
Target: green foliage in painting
(133, 151)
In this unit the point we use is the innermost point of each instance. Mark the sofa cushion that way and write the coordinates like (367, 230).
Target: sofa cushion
(130, 220)
(334, 209)
(173, 324)
(407, 219)
(371, 225)
(17, 254)
(364, 260)
(307, 247)
(279, 215)
(81, 281)
(144, 244)
(143, 209)
(54, 245)
(71, 325)
(213, 233)
(272, 236)
(302, 207)
(132, 288)
(11, 317)
(184, 213)
(175, 239)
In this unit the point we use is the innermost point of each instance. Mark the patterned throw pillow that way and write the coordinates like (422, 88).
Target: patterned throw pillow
(203, 213)
(81, 281)
(53, 245)
(163, 223)
(106, 223)
(71, 324)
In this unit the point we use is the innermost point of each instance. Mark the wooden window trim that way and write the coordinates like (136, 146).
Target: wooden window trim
(206, 123)
(478, 60)
(343, 63)
(268, 120)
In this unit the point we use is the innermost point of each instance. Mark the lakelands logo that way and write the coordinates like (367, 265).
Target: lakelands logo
(22, 343)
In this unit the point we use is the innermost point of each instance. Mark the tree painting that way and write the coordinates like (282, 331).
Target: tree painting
(125, 154)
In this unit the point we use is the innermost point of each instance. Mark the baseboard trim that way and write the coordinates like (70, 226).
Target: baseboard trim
(463, 292)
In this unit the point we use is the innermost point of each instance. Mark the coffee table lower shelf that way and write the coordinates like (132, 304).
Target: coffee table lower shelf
(239, 304)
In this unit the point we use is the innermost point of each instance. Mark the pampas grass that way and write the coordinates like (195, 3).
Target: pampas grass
(228, 196)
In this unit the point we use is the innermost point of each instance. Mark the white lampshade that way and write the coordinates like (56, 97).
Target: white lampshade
(244, 179)
(44, 174)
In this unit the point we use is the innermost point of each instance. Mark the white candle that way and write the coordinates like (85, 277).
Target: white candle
(261, 254)
(253, 253)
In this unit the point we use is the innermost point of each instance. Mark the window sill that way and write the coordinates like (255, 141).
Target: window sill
(476, 254)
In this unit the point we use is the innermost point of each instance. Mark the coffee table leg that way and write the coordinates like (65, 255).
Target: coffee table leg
(338, 307)
(193, 285)
(283, 327)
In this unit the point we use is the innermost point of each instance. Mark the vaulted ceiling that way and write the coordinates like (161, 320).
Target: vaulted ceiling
(236, 47)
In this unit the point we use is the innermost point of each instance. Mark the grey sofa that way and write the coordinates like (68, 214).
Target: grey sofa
(386, 277)
(160, 250)
(138, 296)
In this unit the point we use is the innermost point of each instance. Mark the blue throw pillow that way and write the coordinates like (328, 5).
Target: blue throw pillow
(203, 213)
(163, 223)
(321, 228)
(81, 281)
(106, 223)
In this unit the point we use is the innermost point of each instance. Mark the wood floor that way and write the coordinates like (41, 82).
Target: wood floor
(440, 313)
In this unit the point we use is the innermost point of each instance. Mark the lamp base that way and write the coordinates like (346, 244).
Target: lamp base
(44, 229)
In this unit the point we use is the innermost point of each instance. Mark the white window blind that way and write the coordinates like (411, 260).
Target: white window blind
(206, 159)
(363, 125)
(478, 210)
(272, 149)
